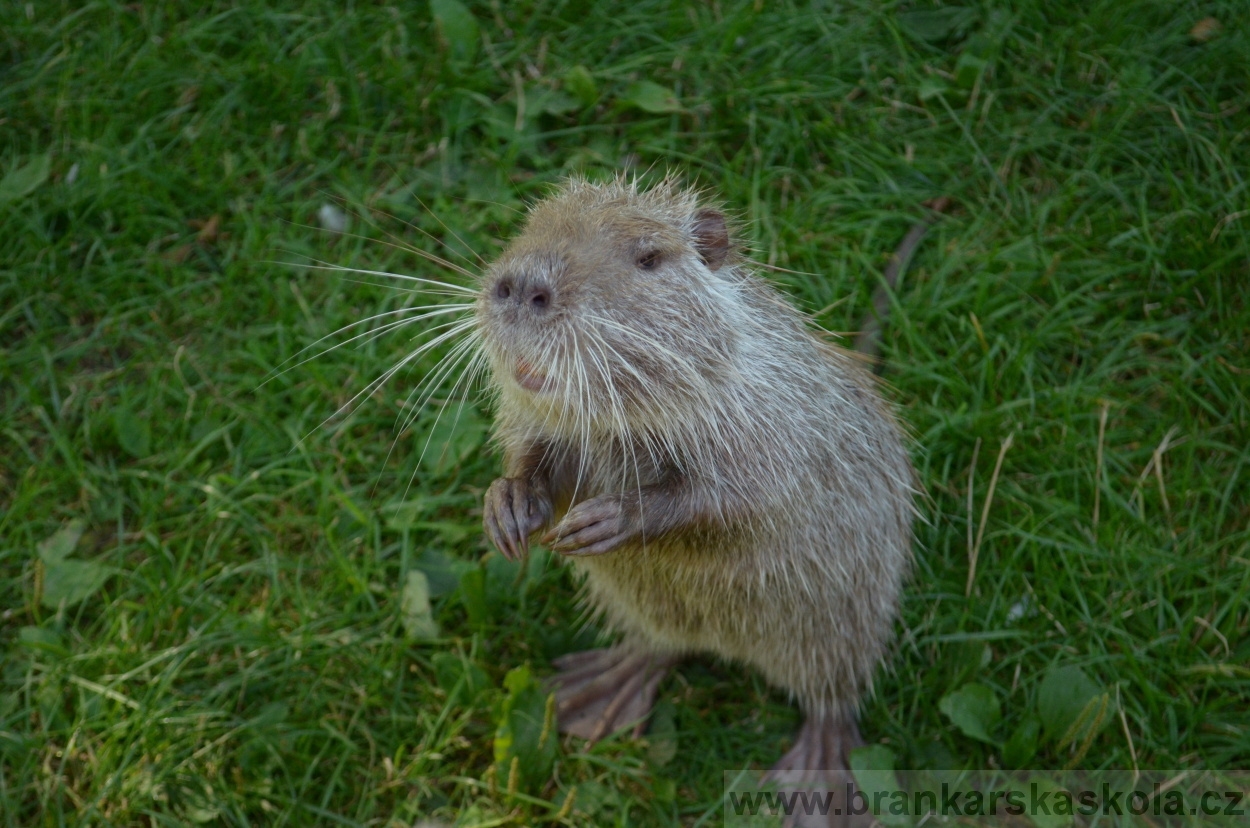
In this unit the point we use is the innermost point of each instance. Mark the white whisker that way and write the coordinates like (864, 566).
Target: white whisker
(434, 378)
(402, 277)
(454, 235)
(417, 291)
(399, 245)
(275, 373)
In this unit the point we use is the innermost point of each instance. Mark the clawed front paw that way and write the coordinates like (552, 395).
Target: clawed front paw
(593, 527)
(514, 509)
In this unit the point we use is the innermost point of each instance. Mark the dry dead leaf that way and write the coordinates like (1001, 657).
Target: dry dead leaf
(334, 99)
(1205, 29)
(209, 230)
(179, 254)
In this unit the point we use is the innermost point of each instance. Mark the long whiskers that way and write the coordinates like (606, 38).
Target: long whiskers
(456, 328)
(427, 311)
(403, 277)
(616, 414)
(434, 378)
(449, 322)
(443, 224)
(465, 377)
(411, 226)
(467, 349)
(424, 291)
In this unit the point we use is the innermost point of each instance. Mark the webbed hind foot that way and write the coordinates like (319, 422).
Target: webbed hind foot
(817, 770)
(598, 692)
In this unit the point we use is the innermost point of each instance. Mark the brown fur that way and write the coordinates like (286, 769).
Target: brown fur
(722, 480)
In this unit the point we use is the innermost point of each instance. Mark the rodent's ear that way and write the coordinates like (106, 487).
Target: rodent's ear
(711, 237)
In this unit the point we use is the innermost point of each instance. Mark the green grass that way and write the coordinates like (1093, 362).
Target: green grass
(246, 661)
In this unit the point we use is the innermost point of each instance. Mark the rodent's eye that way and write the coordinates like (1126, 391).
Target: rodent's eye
(649, 260)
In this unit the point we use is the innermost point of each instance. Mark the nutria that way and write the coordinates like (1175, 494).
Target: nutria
(722, 479)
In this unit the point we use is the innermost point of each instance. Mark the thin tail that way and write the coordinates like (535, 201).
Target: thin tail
(868, 341)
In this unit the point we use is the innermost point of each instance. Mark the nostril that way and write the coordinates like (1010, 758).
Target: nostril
(540, 298)
(522, 291)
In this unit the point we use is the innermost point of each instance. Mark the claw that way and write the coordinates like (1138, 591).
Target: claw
(496, 538)
(591, 528)
(580, 546)
(521, 520)
(513, 509)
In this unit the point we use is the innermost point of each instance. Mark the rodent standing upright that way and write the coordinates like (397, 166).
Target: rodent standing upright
(722, 479)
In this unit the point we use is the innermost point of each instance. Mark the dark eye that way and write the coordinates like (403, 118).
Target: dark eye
(648, 260)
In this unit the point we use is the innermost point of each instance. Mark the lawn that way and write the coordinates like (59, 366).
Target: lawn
(237, 588)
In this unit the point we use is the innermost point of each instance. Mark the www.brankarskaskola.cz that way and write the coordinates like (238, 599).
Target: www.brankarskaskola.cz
(1036, 800)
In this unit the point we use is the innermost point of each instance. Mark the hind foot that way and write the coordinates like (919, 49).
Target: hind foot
(817, 768)
(598, 692)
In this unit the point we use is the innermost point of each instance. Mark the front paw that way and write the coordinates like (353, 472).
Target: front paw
(593, 527)
(514, 509)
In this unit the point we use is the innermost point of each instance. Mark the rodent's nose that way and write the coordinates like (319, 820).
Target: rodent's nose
(525, 294)
(536, 297)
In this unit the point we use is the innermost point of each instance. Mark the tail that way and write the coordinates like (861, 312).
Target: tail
(868, 341)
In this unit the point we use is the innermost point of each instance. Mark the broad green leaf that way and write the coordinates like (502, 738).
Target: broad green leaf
(662, 735)
(403, 515)
(67, 580)
(977, 55)
(23, 179)
(593, 797)
(38, 638)
(459, 677)
(442, 571)
(974, 709)
(72, 581)
(932, 25)
(450, 531)
(473, 596)
(1022, 745)
(554, 102)
(457, 433)
(651, 97)
(873, 767)
(61, 543)
(1049, 791)
(134, 435)
(415, 611)
(517, 679)
(581, 84)
(930, 88)
(201, 815)
(966, 659)
(456, 27)
(967, 68)
(1070, 703)
(504, 579)
(272, 713)
(11, 744)
(525, 731)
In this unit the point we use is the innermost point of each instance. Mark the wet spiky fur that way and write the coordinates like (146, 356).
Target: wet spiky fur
(694, 369)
